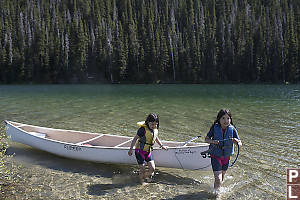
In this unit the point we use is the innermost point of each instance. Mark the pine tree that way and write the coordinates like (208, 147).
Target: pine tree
(147, 41)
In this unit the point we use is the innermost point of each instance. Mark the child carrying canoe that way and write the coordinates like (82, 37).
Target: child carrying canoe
(145, 138)
(221, 136)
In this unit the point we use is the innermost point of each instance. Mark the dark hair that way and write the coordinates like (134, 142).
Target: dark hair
(220, 115)
(152, 117)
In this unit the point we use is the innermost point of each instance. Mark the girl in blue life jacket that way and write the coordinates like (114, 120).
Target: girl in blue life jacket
(221, 136)
(145, 138)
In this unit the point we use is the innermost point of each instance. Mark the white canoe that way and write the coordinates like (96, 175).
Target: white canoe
(105, 148)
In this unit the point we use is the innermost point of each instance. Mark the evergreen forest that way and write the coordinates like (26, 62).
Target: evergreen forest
(149, 41)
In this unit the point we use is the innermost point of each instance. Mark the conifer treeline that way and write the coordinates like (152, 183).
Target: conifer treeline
(192, 41)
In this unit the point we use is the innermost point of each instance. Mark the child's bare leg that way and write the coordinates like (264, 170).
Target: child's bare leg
(218, 179)
(151, 166)
(142, 174)
(223, 175)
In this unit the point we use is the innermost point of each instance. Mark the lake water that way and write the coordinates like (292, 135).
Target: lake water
(266, 116)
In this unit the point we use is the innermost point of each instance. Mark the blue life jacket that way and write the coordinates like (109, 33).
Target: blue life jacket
(224, 148)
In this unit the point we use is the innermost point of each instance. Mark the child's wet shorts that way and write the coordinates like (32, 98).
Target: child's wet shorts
(219, 163)
(142, 156)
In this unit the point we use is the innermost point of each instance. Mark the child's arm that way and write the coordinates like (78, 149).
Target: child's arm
(237, 141)
(160, 144)
(132, 144)
(210, 141)
(209, 136)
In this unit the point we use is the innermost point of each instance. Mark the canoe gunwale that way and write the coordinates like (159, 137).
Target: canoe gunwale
(97, 136)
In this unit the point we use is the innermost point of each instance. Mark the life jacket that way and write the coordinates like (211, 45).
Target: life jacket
(224, 148)
(146, 142)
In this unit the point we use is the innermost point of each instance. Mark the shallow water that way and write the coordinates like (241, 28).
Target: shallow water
(266, 116)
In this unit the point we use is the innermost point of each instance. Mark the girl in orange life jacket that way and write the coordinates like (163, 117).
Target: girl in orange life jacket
(222, 134)
(144, 140)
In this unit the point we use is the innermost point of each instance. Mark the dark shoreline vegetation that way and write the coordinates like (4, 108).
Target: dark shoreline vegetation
(10, 182)
(7, 182)
(142, 41)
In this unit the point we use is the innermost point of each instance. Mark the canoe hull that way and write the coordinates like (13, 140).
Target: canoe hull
(188, 157)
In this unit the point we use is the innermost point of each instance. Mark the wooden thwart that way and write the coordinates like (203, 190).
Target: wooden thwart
(89, 140)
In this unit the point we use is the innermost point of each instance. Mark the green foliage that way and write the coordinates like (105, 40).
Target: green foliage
(146, 41)
(5, 173)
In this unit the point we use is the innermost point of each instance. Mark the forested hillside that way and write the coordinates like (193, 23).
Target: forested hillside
(149, 41)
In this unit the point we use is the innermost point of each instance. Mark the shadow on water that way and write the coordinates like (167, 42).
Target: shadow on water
(197, 195)
(121, 175)
(102, 189)
(37, 157)
(162, 178)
